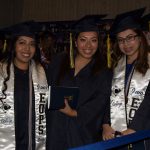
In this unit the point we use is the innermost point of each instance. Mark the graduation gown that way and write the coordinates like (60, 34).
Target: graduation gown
(65, 132)
(141, 120)
(21, 97)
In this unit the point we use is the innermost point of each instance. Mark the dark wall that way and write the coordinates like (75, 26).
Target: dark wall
(14, 11)
(10, 12)
(6, 12)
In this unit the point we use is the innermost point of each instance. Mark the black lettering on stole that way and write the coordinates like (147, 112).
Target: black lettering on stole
(134, 107)
(41, 112)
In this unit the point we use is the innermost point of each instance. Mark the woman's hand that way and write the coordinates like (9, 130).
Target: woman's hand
(128, 131)
(68, 110)
(108, 132)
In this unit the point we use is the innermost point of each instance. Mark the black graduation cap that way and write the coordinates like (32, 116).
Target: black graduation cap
(87, 23)
(29, 28)
(96, 18)
(146, 22)
(127, 20)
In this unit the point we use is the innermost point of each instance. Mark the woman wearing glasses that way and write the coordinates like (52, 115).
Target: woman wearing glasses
(130, 62)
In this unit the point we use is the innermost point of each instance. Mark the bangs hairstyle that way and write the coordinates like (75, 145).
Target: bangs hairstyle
(142, 60)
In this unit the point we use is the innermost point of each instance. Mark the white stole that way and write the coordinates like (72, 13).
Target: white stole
(7, 123)
(120, 113)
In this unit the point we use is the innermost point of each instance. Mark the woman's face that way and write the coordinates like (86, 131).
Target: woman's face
(129, 43)
(24, 50)
(87, 44)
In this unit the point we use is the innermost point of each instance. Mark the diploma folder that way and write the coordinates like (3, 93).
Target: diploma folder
(57, 95)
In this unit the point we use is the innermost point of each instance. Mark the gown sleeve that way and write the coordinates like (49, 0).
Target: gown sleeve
(141, 119)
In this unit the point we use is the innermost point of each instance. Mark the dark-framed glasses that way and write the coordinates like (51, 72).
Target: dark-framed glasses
(128, 39)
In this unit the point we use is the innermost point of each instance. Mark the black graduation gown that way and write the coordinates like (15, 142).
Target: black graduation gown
(21, 100)
(65, 132)
(141, 120)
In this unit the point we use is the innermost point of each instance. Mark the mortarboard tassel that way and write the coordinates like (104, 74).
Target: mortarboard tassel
(71, 52)
(149, 25)
(108, 52)
(5, 45)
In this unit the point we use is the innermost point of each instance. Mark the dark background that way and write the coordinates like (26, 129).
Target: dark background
(15, 11)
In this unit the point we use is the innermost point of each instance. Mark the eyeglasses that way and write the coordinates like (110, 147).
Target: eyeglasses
(128, 39)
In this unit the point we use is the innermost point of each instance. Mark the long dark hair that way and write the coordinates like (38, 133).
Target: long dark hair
(10, 58)
(99, 60)
(142, 60)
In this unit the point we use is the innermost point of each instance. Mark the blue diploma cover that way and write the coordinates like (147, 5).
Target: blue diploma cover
(57, 95)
